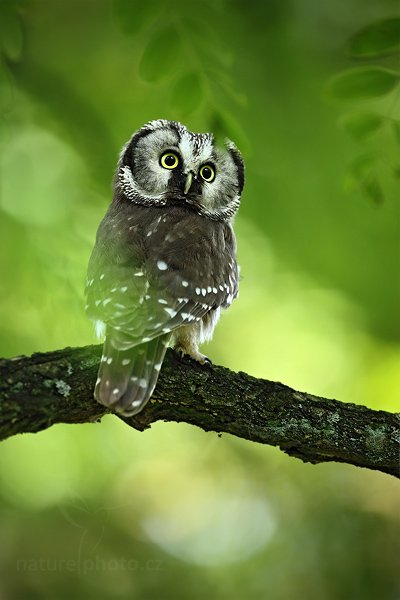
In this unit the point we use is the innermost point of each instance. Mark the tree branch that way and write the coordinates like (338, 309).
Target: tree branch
(57, 387)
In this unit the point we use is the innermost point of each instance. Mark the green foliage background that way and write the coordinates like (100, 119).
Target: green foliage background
(310, 92)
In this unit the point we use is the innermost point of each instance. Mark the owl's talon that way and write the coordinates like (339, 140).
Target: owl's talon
(193, 354)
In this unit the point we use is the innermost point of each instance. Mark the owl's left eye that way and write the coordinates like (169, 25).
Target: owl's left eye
(169, 160)
(207, 172)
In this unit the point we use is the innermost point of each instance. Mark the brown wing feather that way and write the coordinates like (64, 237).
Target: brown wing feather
(165, 269)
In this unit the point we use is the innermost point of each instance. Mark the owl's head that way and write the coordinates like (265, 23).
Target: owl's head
(165, 163)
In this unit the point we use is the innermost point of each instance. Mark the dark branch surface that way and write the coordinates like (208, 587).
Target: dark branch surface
(56, 387)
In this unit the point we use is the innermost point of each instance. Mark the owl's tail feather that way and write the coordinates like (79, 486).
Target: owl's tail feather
(127, 378)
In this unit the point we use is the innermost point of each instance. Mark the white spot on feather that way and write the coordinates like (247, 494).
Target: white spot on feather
(162, 265)
(100, 329)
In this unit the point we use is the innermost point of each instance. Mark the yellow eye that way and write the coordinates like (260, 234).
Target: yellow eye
(169, 160)
(207, 173)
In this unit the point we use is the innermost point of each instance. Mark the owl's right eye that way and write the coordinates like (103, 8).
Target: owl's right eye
(169, 160)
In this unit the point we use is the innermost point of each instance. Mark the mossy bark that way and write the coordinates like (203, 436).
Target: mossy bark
(57, 387)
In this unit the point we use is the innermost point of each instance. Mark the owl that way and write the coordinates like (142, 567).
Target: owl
(164, 262)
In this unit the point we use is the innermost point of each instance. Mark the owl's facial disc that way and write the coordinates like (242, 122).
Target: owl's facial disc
(165, 163)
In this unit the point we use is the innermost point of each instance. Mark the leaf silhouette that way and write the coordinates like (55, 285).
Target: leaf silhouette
(133, 15)
(11, 38)
(361, 124)
(362, 83)
(378, 39)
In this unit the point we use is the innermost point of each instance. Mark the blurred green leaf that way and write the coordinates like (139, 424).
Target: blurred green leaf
(363, 82)
(361, 124)
(133, 15)
(396, 172)
(373, 189)
(224, 125)
(5, 89)
(362, 174)
(361, 167)
(378, 39)
(396, 130)
(187, 93)
(160, 55)
(11, 38)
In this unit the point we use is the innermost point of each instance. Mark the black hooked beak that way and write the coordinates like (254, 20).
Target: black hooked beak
(188, 182)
